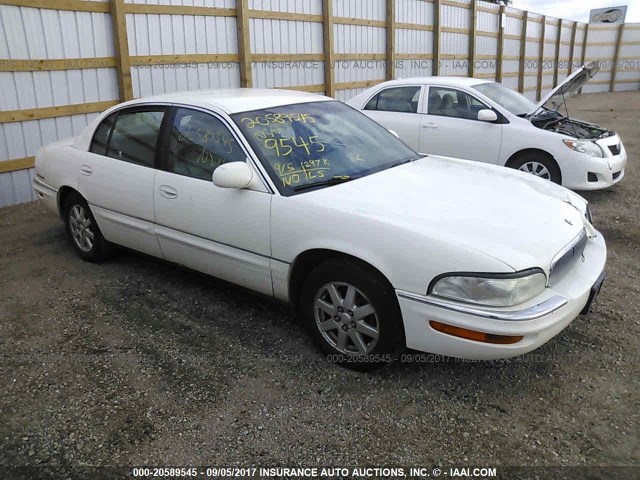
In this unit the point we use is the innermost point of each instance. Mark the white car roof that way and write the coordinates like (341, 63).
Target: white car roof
(445, 81)
(230, 100)
(234, 100)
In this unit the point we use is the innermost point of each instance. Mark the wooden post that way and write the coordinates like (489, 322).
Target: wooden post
(327, 33)
(572, 48)
(500, 48)
(523, 51)
(244, 43)
(556, 64)
(543, 28)
(391, 38)
(583, 56)
(123, 64)
(436, 38)
(616, 55)
(472, 37)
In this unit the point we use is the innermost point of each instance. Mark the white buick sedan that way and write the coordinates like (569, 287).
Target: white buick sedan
(303, 198)
(485, 121)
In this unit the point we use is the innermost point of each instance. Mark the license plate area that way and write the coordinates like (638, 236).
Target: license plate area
(595, 290)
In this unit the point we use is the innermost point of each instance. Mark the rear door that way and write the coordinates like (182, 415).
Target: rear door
(118, 173)
(396, 108)
(451, 127)
(220, 231)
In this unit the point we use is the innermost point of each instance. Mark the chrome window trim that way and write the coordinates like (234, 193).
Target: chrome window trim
(529, 313)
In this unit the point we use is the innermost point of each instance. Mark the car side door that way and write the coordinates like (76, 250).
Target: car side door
(117, 176)
(223, 232)
(396, 108)
(450, 126)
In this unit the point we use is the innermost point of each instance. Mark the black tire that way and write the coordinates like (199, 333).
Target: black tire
(372, 290)
(99, 248)
(529, 158)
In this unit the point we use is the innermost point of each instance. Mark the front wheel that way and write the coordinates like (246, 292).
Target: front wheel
(352, 314)
(86, 239)
(538, 164)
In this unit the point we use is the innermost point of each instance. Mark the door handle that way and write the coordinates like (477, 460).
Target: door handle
(429, 125)
(168, 192)
(86, 170)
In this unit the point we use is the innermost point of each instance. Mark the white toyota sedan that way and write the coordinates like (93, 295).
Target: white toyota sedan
(485, 121)
(303, 198)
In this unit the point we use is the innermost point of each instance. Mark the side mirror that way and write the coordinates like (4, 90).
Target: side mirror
(486, 115)
(393, 132)
(232, 175)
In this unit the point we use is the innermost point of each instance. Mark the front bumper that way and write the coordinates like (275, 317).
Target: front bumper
(583, 172)
(537, 321)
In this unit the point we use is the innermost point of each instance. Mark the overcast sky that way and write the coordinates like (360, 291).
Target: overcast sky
(577, 9)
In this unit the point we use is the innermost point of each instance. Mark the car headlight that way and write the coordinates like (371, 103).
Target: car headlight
(585, 146)
(493, 290)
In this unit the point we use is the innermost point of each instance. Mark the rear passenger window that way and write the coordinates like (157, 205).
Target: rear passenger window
(199, 144)
(397, 99)
(134, 137)
(102, 134)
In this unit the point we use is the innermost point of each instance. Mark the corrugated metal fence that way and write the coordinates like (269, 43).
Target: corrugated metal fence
(63, 61)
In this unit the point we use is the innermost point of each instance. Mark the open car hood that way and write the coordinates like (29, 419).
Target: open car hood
(553, 100)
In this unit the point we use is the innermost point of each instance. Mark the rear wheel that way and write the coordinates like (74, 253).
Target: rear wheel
(538, 164)
(352, 314)
(83, 232)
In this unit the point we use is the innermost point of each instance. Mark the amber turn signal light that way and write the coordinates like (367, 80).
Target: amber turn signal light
(474, 335)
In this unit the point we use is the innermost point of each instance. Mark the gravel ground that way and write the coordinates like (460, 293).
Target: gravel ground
(138, 361)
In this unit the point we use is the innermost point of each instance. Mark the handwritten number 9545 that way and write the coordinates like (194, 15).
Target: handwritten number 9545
(284, 146)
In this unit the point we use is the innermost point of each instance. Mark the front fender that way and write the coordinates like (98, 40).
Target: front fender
(408, 259)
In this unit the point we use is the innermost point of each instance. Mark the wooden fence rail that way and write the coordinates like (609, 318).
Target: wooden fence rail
(123, 61)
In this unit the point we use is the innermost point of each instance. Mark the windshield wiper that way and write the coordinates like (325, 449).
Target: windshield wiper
(329, 181)
(405, 160)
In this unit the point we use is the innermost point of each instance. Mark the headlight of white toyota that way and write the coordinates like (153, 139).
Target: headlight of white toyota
(585, 146)
(492, 290)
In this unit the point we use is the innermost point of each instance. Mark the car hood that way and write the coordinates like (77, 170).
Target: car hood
(554, 99)
(516, 218)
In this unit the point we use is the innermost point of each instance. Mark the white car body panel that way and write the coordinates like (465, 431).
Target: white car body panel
(481, 141)
(402, 122)
(494, 143)
(412, 223)
(439, 184)
(122, 194)
(222, 232)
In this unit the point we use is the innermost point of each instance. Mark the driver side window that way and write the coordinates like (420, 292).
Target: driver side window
(199, 143)
(449, 102)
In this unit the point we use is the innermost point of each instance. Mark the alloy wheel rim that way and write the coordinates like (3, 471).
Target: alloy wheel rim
(81, 228)
(537, 169)
(346, 319)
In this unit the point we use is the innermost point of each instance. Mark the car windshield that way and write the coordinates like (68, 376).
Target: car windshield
(317, 144)
(513, 101)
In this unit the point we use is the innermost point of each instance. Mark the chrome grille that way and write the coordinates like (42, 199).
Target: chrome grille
(566, 257)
